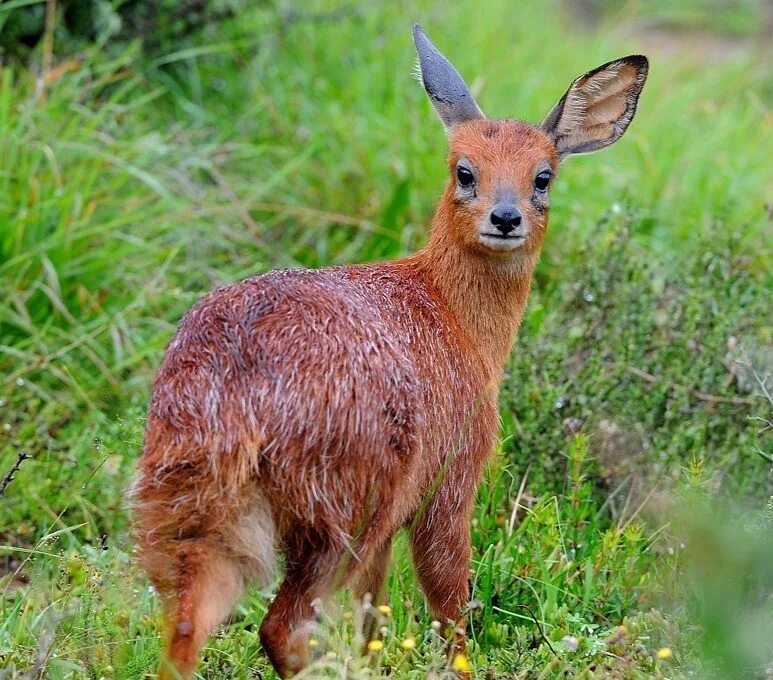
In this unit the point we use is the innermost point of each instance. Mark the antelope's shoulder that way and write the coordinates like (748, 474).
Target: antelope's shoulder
(318, 299)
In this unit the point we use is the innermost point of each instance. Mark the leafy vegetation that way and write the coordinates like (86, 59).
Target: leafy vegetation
(76, 23)
(624, 528)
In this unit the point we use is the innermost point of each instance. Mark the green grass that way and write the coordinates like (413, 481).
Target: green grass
(133, 183)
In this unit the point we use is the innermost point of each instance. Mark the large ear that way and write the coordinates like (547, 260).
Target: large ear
(598, 107)
(445, 87)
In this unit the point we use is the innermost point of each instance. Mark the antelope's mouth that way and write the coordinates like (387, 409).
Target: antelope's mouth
(499, 241)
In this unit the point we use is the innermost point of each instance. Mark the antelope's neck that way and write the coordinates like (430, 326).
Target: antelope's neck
(486, 298)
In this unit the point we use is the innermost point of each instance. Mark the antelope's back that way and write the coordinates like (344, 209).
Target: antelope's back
(302, 369)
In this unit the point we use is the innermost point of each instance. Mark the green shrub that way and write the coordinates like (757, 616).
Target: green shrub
(158, 24)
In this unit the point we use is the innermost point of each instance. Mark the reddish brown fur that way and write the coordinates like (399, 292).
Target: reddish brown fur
(337, 398)
(312, 414)
(331, 408)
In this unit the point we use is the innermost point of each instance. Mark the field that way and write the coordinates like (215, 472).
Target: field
(625, 527)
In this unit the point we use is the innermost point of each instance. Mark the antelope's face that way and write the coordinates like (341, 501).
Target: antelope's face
(497, 199)
(501, 172)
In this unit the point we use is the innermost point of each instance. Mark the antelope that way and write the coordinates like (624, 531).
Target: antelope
(311, 414)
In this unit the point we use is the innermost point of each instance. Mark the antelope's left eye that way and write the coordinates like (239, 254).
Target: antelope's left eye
(464, 176)
(542, 180)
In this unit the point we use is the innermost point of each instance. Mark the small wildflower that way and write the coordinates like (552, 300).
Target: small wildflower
(623, 629)
(435, 625)
(375, 645)
(386, 610)
(616, 635)
(313, 642)
(571, 643)
(408, 643)
(664, 653)
(461, 663)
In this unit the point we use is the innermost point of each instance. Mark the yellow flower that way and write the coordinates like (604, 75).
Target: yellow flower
(313, 642)
(409, 643)
(385, 609)
(664, 653)
(375, 645)
(461, 663)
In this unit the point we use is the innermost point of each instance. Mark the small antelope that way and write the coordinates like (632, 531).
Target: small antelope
(312, 414)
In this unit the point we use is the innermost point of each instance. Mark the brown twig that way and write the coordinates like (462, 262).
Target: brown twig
(703, 396)
(8, 478)
(517, 503)
(632, 517)
(48, 48)
(539, 628)
(45, 643)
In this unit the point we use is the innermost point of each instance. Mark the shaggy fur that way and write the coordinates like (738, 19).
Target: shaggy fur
(311, 414)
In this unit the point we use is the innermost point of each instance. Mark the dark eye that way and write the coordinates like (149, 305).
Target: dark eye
(465, 177)
(542, 180)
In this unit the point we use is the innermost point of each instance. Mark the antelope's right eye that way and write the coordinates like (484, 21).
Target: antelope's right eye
(464, 176)
(542, 180)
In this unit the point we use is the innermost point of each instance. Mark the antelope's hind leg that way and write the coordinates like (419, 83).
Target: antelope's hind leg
(207, 584)
(311, 574)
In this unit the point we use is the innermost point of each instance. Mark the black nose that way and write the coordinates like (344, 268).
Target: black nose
(505, 218)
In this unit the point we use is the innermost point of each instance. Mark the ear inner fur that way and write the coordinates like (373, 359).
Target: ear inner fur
(598, 107)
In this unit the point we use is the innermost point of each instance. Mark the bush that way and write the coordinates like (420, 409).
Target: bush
(159, 24)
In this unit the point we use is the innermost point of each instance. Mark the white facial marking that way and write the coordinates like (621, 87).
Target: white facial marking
(490, 236)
